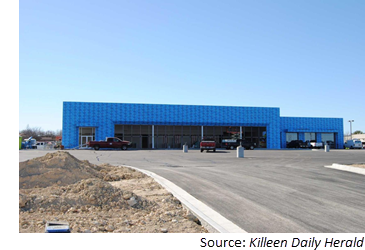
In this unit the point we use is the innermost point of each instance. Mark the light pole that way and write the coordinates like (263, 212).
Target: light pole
(351, 121)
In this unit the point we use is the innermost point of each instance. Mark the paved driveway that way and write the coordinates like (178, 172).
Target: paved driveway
(267, 191)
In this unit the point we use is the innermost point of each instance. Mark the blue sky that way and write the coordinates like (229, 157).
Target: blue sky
(306, 57)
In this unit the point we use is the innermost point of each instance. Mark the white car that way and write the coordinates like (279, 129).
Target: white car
(355, 143)
(40, 145)
(315, 144)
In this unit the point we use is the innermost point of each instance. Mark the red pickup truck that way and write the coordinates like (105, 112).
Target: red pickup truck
(110, 142)
(207, 144)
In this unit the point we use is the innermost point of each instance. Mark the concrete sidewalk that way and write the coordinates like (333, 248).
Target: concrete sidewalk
(211, 220)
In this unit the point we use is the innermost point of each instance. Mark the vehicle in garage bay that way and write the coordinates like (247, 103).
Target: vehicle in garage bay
(234, 143)
(297, 144)
(110, 142)
(315, 144)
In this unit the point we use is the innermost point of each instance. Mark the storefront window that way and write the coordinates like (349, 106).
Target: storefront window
(291, 137)
(328, 138)
(309, 136)
(262, 137)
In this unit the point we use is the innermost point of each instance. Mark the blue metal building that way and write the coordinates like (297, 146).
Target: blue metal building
(171, 126)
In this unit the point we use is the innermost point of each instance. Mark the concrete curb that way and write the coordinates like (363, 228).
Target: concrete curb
(347, 168)
(210, 219)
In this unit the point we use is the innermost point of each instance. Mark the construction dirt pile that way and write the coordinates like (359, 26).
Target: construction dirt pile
(96, 199)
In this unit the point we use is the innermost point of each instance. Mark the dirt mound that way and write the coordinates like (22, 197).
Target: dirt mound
(61, 169)
(112, 173)
(58, 168)
(79, 197)
(94, 198)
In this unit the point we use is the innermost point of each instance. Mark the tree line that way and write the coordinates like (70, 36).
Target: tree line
(37, 133)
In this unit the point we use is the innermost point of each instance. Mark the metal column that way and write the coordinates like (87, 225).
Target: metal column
(153, 136)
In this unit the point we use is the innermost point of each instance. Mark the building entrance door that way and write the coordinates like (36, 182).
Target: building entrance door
(85, 139)
(86, 134)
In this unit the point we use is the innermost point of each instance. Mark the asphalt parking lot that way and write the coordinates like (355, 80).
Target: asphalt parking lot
(268, 191)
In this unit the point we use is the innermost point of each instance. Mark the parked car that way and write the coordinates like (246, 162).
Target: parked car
(297, 144)
(110, 142)
(234, 143)
(307, 144)
(40, 145)
(207, 144)
(355, 143)
(315, 144)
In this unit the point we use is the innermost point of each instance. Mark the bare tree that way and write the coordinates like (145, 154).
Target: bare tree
(37, 132)
(49, 133)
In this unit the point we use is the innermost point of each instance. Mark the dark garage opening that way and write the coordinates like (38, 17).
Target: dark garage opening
(168, 137)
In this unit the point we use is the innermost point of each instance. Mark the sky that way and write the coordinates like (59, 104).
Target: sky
(305, 57)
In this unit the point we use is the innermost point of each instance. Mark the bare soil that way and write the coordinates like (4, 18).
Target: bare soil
(96, 199)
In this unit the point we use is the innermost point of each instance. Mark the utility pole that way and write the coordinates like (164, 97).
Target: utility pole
(351, 121)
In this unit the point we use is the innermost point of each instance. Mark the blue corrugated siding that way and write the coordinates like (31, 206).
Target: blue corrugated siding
(103, 116)
(311, 124)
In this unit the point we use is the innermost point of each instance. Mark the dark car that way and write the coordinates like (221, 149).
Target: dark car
(234, 143)
(331, 144)
(296, 144)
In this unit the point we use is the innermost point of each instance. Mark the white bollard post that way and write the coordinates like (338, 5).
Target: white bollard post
(240, 152)
(185, 148)
(326, 148)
